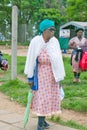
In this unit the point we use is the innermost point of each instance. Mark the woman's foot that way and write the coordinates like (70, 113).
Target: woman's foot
(40, 128)
(75, 80)
(79, 80)
(46, 125)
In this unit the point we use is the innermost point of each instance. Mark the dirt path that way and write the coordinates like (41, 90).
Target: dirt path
(21, 50)
(7, 103)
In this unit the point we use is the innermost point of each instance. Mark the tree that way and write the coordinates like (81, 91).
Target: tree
(27, 10)
(77, 10)
(5, 16)
(52, 10)
(31, 12)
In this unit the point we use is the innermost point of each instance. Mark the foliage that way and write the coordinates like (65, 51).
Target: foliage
(29, 12)
(27, 9)
(50, 13)
(78, 8)
(5, 15)
(32, 12)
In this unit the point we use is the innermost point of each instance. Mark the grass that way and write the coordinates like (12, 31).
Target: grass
(75, 93)
(69, 123)
(16, 90)
(9, 43)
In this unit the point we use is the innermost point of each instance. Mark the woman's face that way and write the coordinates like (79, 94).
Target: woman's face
(79, 33)
(48, 33)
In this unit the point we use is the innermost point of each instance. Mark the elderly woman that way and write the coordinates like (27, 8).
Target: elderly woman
(44, 68)
(78, 44)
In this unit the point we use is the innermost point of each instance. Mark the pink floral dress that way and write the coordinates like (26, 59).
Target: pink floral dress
(79, 43)
(46, 100)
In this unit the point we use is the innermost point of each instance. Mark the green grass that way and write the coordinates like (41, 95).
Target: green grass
(75, 94)
(9, 43)
(16, 90)
(69, 123)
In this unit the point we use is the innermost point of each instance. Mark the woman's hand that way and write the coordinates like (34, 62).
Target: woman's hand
(31, 84)
(72, 45)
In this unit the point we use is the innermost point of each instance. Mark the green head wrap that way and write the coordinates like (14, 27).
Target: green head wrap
(45, 24)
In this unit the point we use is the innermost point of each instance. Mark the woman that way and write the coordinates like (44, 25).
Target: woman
(44, 54)
(78, 44)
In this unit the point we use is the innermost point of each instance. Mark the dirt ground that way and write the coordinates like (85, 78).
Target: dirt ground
(21, 50)
(7, 103)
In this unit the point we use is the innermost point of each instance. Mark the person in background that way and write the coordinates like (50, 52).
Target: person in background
(3, 62)
(78, 44)
(45, 69)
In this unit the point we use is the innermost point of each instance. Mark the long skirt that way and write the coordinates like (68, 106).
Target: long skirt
(75, 64)
(46, 100)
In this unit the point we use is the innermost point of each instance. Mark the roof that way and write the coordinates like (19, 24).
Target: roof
(74, 23)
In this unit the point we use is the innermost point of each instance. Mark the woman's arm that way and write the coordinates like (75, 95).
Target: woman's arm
(72, 44)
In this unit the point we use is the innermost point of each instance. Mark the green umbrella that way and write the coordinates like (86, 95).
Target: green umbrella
(30, 95)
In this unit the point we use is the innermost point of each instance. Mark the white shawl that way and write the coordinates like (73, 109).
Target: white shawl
(54, 52)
